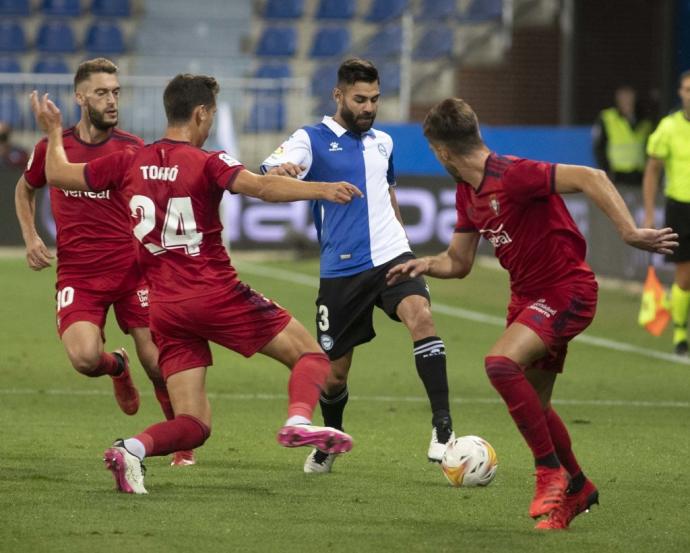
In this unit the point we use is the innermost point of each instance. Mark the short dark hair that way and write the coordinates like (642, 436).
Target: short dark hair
(355, 70)
(684, 75)
(453, 123)
(185, 92)
(89, 67)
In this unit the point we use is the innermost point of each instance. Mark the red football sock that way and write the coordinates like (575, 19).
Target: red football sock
(182, 433)
(561, 441)
(523, 403)
(306, 381)
(107, 364)
(163, 398)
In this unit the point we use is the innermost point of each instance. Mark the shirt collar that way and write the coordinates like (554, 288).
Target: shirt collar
(339, 130)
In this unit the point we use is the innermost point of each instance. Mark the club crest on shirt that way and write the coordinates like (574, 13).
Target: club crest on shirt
(493, 203)
(143, 295)
(383, 151)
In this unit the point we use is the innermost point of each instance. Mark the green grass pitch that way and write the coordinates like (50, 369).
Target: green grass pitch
(628, 413)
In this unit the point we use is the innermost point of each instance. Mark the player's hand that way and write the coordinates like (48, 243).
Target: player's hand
(341, 192)
(410, 269)
(288, 169)
(47, 114)
(37, 255)
(653, 240)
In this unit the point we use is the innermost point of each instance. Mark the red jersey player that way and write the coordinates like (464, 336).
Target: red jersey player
(97, 265)
(173, 189)
(515, 204)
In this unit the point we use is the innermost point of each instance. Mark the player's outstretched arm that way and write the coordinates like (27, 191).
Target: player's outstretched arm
(650, 185)
(59, 172)
(277, 188)
(37, 255)
(455, 262)
(596, 185)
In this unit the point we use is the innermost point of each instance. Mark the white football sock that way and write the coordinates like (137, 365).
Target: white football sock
(297, 419)
(135, 447)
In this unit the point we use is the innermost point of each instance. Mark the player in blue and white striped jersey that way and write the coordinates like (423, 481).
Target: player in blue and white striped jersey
(360, 242)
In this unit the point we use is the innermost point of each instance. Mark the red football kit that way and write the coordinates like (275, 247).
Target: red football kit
(96, 265)
(535, 239)
(174, 191)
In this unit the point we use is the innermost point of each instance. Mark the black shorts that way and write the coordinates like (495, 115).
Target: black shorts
(678, 218)
(345, 305)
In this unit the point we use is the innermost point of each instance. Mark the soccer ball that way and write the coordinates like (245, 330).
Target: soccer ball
(469, 461)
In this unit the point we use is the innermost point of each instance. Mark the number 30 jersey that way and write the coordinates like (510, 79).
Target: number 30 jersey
(173, 190)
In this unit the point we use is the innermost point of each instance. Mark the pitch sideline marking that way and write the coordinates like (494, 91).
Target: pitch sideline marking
(379, 399)
(467, 314)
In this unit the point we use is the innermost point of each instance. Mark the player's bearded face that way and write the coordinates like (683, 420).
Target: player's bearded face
(100, 96)
(358, 106)
(102, 119)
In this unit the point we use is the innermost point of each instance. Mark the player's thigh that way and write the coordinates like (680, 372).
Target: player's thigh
(344, 312)
(147, 352)
(78, 304)
(520, 344)
(187, 391)
(290, 344)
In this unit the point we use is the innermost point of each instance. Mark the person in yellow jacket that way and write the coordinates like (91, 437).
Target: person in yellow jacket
(620, 136)
(668, 149)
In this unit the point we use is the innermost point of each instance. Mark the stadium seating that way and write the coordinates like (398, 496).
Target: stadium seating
(266, 115)
(385, 10)
(56, 36)
(104, 37)
(12, 38)
(433, 10)
(435, 43)
(9, 64)
(330, 41)
(111, 8)
(323, 80)
(385, 43)
(336, 9)
(278, 42)
(10, 111)
(284, 9)
(15, 7)
(61, 8)
(483, 10)
(389, 76)
(51, 64)
(273, 71)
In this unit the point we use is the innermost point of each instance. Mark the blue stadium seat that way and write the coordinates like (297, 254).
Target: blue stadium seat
(273, 71)
(389, 76)
(330, 41)
(15, 7)
(62, 8)
(111, 8)
(432, 10)
(51, 64)
(278, 42)
(323, 80)
(12, 38)
(336, 9)
(104, 37)
(383, 10)
(284, 9)
(385, 43)
(483, 10)
(9, 65)
(436, 43)
(326, 106)
(10, 111)
(266, 115)
(56, 36)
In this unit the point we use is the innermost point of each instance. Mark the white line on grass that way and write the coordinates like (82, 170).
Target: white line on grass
(459, 313)
(377, 399)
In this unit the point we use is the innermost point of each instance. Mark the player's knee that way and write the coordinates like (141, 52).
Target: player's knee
(335, 381)
(85, 362)
(500, 369)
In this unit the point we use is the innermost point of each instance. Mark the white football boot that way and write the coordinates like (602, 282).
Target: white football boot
(318, 462)
(127, 469)
(436, 448)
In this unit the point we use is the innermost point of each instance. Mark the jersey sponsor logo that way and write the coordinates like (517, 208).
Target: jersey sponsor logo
(498, 237)
(493, 203)
(143, 296)
(383, 151)
(153, 172)
(335, 147)
(326, 342)
(103, 195)
(345, 256)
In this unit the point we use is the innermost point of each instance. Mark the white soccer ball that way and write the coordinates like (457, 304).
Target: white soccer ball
(469, 461)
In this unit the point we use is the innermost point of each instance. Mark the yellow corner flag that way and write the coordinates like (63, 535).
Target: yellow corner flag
(654, 314)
